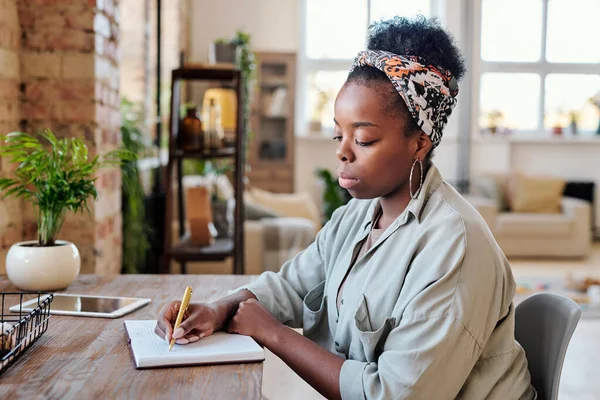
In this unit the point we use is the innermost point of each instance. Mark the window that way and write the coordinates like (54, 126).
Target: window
(540, 70)
(333, 33)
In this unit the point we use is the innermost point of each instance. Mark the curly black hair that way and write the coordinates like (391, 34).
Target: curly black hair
(418, 36)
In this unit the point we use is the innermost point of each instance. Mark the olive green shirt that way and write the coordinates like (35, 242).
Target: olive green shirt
(426, 313)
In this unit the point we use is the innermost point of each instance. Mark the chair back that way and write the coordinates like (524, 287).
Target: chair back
(544, 324)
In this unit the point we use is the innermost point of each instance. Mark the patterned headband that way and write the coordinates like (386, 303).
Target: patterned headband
(429, 92)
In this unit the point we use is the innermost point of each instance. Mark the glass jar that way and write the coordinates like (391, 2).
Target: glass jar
(214, 135)
(192, 133)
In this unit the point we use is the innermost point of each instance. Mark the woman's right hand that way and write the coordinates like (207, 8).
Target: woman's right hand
(198, 321)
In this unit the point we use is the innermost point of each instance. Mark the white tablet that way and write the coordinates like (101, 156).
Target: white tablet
(86, 305)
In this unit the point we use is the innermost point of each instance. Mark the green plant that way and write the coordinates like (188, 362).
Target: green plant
(135, 226)
(247, 66)
(57, 178)
(334, 196)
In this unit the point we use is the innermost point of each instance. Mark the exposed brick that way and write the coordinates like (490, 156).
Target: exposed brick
(26, 17)
(75, 90)
(9, 89)
(8, 126)
(40, 65)
(109, 7)
(9, 111)
(39, 91)
(9, 14)
(102, 25)
(9, 38)
(3, 253)
(77, 112)
(47, 4)
(79, 19)
(49, 19)
(39, 111)
(9, 64)
(9, 236)
(78, 66)
(60, 40)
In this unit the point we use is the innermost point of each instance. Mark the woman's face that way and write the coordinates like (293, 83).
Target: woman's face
(375, 154)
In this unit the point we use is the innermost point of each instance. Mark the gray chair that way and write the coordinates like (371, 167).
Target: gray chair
(544, 324)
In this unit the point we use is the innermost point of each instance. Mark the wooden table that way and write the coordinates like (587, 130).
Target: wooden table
(80, 358)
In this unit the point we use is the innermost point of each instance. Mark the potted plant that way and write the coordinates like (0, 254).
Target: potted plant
(57, 178)
(224, 51)
(334, 196)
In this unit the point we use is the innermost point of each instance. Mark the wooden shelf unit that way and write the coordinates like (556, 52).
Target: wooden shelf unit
(184, 251)
(271, 151)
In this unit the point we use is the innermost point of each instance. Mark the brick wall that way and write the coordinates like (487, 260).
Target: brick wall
(10, 209)
(70, 83)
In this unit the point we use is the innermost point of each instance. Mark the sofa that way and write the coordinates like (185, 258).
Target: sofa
(544, 223)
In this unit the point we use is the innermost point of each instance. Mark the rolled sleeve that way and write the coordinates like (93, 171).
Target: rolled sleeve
(351, 374)
(427, 358)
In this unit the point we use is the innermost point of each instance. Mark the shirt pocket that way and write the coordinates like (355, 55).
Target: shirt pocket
(314, 312)
(367, 342)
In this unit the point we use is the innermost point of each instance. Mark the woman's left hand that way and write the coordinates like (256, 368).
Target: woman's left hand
(253, 319)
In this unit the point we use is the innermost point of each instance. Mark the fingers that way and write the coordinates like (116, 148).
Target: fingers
(164, 323)
(196, 322)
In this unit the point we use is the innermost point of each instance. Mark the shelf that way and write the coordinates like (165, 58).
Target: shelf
(282, 117)
(206, 72)
(186, 251)
(224, 153)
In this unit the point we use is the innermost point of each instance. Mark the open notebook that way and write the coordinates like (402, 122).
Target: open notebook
(150, 351)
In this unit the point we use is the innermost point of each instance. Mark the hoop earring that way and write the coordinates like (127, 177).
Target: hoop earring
(414, 196)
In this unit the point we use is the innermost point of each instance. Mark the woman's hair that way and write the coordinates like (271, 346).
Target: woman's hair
(417, 36)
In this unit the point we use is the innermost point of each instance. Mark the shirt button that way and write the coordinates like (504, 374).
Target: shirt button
(336, 320)
(342, 301)
(337, 344)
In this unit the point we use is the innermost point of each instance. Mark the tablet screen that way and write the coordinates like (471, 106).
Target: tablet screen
(89, 304)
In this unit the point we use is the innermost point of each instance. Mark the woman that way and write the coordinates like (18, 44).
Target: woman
(404, 293)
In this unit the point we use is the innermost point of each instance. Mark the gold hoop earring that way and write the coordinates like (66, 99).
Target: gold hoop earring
(414, 196)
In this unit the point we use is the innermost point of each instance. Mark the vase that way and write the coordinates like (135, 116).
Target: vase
(33, 268)
(224, 53)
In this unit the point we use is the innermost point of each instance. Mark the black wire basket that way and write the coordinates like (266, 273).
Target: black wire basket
(20, 329)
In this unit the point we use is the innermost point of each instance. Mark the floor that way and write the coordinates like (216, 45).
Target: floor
(580, 377)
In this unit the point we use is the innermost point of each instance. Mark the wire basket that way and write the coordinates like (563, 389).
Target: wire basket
(19, 330)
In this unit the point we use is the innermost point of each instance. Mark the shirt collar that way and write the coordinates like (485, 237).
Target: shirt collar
(431, 183)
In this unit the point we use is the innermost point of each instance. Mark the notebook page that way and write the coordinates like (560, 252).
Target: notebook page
(151, 351)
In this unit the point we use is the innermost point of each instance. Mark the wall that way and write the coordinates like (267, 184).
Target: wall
(272, 24)
(11, 221)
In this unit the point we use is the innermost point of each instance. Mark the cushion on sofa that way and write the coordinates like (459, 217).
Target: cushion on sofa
(535, 194)
(533, 224)
(294, 205)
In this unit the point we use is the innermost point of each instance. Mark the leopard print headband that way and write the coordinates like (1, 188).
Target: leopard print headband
(428, 91)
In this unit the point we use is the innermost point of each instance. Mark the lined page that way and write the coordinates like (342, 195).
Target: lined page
(152, 351)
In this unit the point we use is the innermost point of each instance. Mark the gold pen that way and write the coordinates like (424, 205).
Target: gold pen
(182, 309)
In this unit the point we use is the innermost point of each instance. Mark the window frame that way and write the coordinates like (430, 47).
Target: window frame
(541, 67)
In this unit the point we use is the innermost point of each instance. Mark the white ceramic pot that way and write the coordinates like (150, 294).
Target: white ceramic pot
(42, 268)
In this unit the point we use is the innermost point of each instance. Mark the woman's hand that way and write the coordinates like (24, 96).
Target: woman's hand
(198, 321)
(253, 319)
